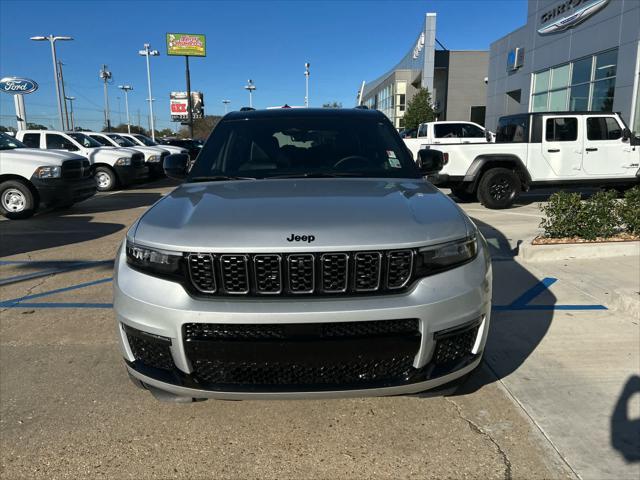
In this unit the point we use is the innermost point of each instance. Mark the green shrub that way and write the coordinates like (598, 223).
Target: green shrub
(630, 210)
(561, 215)
(599, 216)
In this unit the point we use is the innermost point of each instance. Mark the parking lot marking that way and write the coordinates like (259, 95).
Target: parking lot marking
(66, 266)
(18, 302)
(522, 302)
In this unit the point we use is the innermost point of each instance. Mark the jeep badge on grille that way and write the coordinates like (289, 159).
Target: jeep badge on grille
(301, 238)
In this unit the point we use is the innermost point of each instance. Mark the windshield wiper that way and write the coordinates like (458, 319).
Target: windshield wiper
(218, 178)
(318, 175)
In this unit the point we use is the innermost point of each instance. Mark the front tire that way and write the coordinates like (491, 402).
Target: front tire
(17, 201)
(106, 179)
(499, 188)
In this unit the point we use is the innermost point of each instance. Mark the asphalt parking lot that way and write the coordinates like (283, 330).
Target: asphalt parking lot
(555, 398)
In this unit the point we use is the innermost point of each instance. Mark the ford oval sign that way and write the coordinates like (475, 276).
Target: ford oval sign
(18, 86)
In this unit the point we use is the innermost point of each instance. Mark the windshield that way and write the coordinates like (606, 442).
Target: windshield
(101, 140)
(123, 142)
(146, 140)
(84, 140)
(7, 142)
(299, 147)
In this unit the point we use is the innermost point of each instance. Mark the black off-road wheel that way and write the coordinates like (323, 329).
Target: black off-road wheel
(499, 188)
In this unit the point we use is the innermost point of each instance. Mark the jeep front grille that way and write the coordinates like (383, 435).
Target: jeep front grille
(300, 273)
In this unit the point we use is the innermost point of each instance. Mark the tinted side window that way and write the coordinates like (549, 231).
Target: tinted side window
(471, 131)
(31, 140)
(57, 142)
(513, 129)
(562, 129)
(422, 131)
(448, 130)
(603, 128)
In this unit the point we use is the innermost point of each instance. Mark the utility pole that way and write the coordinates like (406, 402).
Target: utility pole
(64, 95)
(226, 103)
(250, 87)
(189, 101)
(73, 123)
(147, 52)
(306, 81)
(138, 118)
(105, 75)
(126, 89)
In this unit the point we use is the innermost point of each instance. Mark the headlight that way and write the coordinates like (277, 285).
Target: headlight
(153, 158)
(442, 257)
(123, 162)
(153, 261)
(48, 172)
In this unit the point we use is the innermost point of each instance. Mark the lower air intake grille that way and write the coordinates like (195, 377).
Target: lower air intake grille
(151, 350)
(455, 345)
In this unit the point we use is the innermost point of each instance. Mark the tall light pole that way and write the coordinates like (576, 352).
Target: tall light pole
(251, 87)
(73, 123)
(52, 40)
(147, 52)
(306, 81)
(126, 89)
(105, 75)
(226, 103)
(64, 95)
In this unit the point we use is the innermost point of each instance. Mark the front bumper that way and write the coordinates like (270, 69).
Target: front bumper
(129, 174)
(61, 191)
(458, 300)
(155, 168)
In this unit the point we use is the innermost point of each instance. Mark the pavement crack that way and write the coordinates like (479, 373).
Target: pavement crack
(476, 428)
(28, 292)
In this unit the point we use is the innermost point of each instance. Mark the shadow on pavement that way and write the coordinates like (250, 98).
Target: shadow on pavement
(47, 231)
(535, 196)
(625, 431)
(159, 183)
(516, 329)
(108, 203)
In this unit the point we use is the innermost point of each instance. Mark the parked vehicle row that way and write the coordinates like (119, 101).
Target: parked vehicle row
(434, 133)
(35, 166)
(541, 150)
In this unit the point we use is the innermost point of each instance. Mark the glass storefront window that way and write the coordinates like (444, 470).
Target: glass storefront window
(558, 100)
(603, 95)
(582, 71)
(579, 100)
(560, 77)
(606, 65)
(541, 82)
(540, 102)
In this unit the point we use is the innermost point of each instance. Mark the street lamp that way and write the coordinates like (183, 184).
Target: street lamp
(251, 87)
(73, 123)
(306, 81)
(226, 103)
(106, 75)
(147, 52)
(126, 89)
(52, 40)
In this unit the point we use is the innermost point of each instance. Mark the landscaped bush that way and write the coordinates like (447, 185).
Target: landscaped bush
(630, 210)
(600, 216)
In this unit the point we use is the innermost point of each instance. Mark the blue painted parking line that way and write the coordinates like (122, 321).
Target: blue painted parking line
(65, 266)
(519, 304)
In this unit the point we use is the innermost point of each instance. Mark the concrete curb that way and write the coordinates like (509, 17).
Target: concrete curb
(555, 252)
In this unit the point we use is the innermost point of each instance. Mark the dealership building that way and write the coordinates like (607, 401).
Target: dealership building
(455, 79)
(572, 55)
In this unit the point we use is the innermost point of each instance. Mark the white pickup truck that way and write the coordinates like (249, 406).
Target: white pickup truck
(31, 177)
(550, 149)
(111, 167)
(153, 156)
(434, 133)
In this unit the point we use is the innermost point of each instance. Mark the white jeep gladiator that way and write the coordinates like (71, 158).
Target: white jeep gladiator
(30, 177)
(542, 150)
(111, 167)
(433, 133)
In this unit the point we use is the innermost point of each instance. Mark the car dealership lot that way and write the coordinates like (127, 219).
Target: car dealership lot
(546, 403)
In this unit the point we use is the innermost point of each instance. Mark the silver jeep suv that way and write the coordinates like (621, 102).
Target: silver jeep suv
(304, 256)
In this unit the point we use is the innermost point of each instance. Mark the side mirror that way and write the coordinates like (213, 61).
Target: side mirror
(176, 166)
(430, 161)
(488, 136)
(626, 134)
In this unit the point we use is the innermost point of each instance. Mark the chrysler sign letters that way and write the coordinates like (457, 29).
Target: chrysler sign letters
(568, 14)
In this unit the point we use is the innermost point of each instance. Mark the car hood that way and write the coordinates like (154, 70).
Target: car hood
(98, 153)
(173, 149)
(44, 157)
(341, 214)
